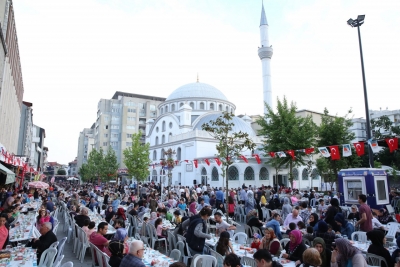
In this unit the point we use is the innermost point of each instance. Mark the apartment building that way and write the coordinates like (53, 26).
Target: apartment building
(85, 145)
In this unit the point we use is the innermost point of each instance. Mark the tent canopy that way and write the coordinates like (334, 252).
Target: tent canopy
(10, 175)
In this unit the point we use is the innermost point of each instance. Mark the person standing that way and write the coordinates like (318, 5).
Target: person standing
(365, 221)
(197, 231)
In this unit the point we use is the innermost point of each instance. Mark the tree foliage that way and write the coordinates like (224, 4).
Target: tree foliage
(61, 171)
(100, 166)
(284, 131)
(137, 158)
(169, 163)
(335, 130)
(230, 145)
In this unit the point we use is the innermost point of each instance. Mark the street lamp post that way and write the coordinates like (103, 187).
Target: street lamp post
(357, 23)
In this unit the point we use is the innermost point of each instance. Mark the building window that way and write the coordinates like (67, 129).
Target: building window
(114, 127)
(157, 129)
(201, 105)
(128, 144)
(114, 144)
(220, 107)
(173, 107)
(153, 114)
(114, 135)
(170, 125)
(162, 111)
(304, 175)
(233, 173)
(156, 140)
(204, 176)
(152, 107)
(315, 174)
(115, 118)
(163, 139)
(104, 143)
(132, 110)
(163, 126)
(106, 118)
(130, 127)
(295, 174)
(128, 135)
(131, 118)
(105, 135)
(166, 109)
(264, 174)
(191, 105)
(154, 176)
(154, 155)
(179, 154)
(214, 174)
(212, 106)
(249, 173)
(226, 108)
(162, 156)
(181, 104)
(106, 127)
(169, 137)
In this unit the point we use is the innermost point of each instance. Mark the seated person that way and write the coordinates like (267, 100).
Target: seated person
(292, 226)
(346, 228)
(256, 241)
(326, 235)
(309, 234)
(46, 239)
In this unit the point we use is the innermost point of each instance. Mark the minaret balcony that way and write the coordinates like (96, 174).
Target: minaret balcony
(265, 52)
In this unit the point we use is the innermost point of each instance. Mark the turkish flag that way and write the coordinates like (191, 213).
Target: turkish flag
(207, 162)
(176, 162)
(393, 144)
(334, 152)
(186, 160)
(195, 162)
(291, 153)
(309, 150)
(272, 154)
(359, 148)
(257, 157)
(244, 158)
(218, 161)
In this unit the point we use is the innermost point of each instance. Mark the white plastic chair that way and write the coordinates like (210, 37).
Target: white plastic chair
(205, 261)
(54, 245)
(84, 245)
(375, 260)
(240, 237)
(248, 261)
(60, 249)
(175, 255)
(106, 259)
(47, 258)
(220, 259)
(180, 245)
(58, 260)
(68, 264)
(55, 228)
(284, 241)
(391, 234)
(154, 238)
(361, 236)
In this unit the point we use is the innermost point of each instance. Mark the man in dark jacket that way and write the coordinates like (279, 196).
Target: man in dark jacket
(80, 218)
(45, 240)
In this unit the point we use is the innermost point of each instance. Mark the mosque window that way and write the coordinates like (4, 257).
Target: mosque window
(154, 155)
(156, 140)
(157, 129)
(231, 110)
(226, 108)
(163, 139)
(166, 109)
(181, 104)
(295, 174)
(249, 173)
(220, 107)
(233, 173)
(154, 176)
(162, 156)
(162, 111)
(264, 174)
(212, 106)
(179, 153)
(204, 176)
(169, 137)
(170, 125)
(214, 174)
(304, 174)
(163, 126)
(191, 105)
(173, 107)
(201, 105)
(315, 174)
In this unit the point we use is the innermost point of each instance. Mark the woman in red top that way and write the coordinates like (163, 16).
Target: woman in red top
(271, 243)
(231, 206)
(3, 230)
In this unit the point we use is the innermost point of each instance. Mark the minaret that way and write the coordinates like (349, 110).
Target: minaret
(265, 53)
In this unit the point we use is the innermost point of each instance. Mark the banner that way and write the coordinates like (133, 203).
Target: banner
(324, 151)
(346, 150)
(374, 145)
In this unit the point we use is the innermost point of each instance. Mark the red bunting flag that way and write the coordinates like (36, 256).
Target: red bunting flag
(393, 144)
(187, 161)
(195, 162)
(359, 148)
(244, 158)
(176, 162)
(291, 153)
(207, 162)
(334, 152)
(309, 150)
(218, 161)
(272, 154)
(154, 166)
(257, 157)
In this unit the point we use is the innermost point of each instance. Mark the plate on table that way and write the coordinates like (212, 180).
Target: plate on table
(284, 261)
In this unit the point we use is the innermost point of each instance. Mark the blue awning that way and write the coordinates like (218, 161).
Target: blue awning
(10, 175)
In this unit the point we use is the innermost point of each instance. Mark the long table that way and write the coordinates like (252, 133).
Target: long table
(20, 257)
(25, 229)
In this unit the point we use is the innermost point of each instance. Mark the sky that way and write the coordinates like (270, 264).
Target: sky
(76, 52)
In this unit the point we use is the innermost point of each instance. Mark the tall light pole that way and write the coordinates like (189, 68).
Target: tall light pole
(357, 23)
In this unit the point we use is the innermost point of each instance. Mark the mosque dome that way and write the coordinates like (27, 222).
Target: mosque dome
(196, 90)
(239, 124)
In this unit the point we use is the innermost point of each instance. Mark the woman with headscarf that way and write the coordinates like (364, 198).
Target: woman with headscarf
(325, 254)
(286, 208)
(378, 240)
(109, 214)
(120, 215)
(322, 232)
(252, 220)
(384, 216)
(121, 234)
(271, 243)
(331, 212)
(346, 255)
(295, 248)
(250, 203)
(116, 249)
(313, 221)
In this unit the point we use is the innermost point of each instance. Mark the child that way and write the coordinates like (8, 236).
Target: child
(91, 229)
(182, 204)
(178, 217)
(292, 226)
(310, 234)
(322, 208)
(256, 241)
(85, 225)
(302, 227)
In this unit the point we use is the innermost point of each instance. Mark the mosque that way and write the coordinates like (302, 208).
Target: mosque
(179, 127)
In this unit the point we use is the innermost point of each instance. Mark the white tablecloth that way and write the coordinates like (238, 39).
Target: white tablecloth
(25, 230)
(153, 255)
(21, 259)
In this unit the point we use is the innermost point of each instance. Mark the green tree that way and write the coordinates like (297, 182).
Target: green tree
(137, 158)
(335, 130)
(61, 171)
(169, 163)
(95, 164)
(110, 164)
(230, 144)
(84, 173)
(285, 131)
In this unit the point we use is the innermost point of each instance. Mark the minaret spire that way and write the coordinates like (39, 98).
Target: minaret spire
(265, 53)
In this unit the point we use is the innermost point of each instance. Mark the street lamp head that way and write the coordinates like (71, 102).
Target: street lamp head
(361, 18)
(356, 22)
(350, 22)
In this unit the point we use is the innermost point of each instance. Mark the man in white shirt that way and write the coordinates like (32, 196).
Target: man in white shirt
(198, 190)
(292, 218)
(222, 225)
(375, 223)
